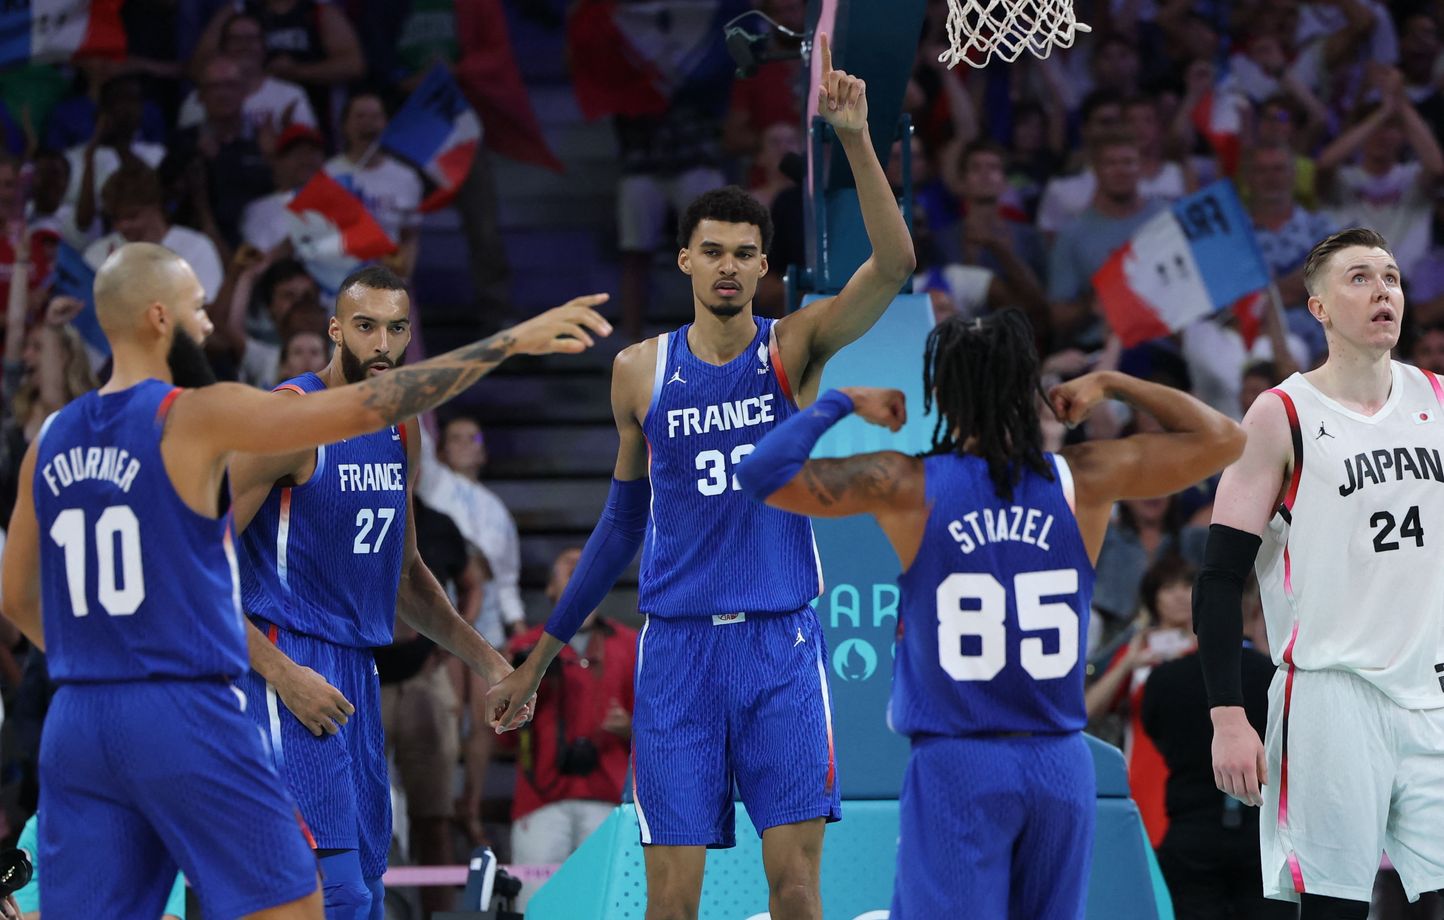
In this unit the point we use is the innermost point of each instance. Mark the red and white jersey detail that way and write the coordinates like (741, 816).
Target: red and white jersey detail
(1349, 569)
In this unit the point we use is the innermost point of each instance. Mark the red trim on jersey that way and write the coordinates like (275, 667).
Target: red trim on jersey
(775, 355)
(1298, 440)
(401, 429)
(1434, 382)
(273, 634)
(1288, 573)
(162, 410)
(305, 828)
(1294, 869)
(289, 386)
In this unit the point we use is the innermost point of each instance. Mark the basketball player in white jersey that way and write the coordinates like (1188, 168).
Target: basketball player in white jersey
(1338, 503)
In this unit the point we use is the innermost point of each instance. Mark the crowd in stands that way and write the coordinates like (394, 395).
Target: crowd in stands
(1026, 177)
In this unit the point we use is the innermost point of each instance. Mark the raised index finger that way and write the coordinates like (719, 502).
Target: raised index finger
(826, 48)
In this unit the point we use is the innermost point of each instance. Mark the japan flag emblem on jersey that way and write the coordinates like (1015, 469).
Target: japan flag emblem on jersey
(1423, 416)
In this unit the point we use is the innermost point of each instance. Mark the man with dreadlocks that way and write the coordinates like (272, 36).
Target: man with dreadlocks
(997, 541)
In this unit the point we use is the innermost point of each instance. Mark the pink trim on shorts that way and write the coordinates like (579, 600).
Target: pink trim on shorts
(1294, 869)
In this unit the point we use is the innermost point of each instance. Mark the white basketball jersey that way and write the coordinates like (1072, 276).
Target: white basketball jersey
(1350, 569)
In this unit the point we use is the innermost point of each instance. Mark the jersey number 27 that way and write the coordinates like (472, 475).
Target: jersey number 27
(985, 618)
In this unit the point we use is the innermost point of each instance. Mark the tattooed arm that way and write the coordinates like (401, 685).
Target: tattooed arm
(887, 484)
(231, 417)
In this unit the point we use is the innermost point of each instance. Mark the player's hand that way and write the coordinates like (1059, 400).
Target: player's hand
(1072, 401)
(567, 329)
(841, 97)
(9, 910)
(313, 701)
(880, 406)
(1240, 765)
(511, 701)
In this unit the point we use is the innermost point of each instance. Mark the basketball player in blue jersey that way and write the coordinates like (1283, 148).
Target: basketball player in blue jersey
(328, 561)
(997, 541)
(122, 533)
(730, 682)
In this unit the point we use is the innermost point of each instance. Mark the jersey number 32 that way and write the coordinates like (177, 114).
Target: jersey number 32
(984, 619)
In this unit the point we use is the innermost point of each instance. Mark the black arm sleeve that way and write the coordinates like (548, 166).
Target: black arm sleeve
(1218, 611)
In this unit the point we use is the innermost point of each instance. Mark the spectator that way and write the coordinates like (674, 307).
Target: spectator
(135, 206)
(1260, 376)
(310, 42)
(47, 211)
(304, 351)
(1421, 61)
(271, 103)
(16, 238)
(72, 121)
(114, 142)
(1035, 151)
(1209, 855)
(218, 166)
(1141, 532)
(1286, 231)
(420, 711)
(300, 153)
(1280, 121)
(1118, 208)
(450, 482)
(1428, 349)
(1066, 196)
(1382, 190)
(573, 755)
(993, 238)
(667, 161)
(390, 189)
(262, 304)
(1164, 632)
(768, 179)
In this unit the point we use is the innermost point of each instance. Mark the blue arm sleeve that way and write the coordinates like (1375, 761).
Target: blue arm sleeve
(609, 550)
(780, 455)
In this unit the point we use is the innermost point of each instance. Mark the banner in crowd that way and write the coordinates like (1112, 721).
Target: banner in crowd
(437, 132)
(332, 231)
(633, 58)
(52, 31)
(1218, 116)
(1187, 262)
(488, 73)
(72, 277)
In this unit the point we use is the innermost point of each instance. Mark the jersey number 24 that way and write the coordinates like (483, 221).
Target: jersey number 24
(985, 617)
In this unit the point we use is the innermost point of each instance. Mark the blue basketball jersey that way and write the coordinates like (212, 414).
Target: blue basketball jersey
(134, 584)
(324, 558)
(709, 549)
(994, 610)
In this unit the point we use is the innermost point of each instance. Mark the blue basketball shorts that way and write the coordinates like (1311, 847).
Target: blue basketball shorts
(340, 781)
(722, 701)
(995, 827)
(141, 779)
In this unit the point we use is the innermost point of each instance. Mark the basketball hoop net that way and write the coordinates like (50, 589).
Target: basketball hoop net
(980, 29)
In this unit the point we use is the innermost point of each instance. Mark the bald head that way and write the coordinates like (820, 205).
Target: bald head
(136, 276)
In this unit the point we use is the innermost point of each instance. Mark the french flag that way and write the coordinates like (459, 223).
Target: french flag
(437, 132)
(1187, 262)
(332, 231)
(1218, 116)
(52, 31)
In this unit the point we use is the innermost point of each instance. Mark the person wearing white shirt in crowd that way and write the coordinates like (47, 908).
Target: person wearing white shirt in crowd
(449, 483)
(116, 140)
(271, 104)
(133, 202)
(300, 153)
(390, 189)
(1382, 190)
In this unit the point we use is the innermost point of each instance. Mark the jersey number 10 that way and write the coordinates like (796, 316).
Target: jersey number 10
(120, 588)
(988, 622)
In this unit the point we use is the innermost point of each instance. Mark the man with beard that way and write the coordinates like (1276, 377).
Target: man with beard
(121, 527)
(726, 584)
(328, 561)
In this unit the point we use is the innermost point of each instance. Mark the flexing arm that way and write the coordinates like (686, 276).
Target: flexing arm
(887, 484)
(1197, 442)
(610, 548)
(828, 325)
(422, 602)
